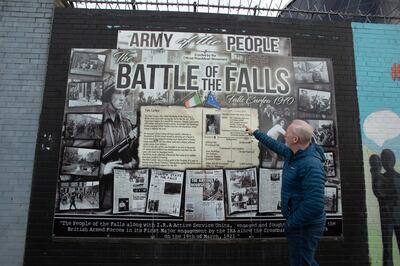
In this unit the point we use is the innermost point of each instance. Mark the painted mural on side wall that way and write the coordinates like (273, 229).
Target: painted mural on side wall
(377, 58)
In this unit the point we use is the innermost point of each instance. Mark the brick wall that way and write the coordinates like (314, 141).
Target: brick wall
(377, 58)
(98, 29)
(24, 40)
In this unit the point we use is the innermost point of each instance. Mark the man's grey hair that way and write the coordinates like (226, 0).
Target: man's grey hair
(303, 131)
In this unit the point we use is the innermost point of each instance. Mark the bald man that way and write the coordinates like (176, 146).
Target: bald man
(303, 187)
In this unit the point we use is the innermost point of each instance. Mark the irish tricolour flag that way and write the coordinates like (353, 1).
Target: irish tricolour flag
(195, 100)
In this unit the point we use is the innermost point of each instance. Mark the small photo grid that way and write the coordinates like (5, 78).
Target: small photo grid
(213, 124)
(88, 93)
(324, 132)
(329, 164)
(311, 72)
(79, 195)
(90, 64)
(80, 161)
(315, 101)
(331, 199)
(83, 126)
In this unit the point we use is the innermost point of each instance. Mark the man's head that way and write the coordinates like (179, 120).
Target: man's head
(115, 96)
(298, 135)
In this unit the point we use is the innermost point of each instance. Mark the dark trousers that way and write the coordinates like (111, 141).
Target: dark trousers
(302, 243)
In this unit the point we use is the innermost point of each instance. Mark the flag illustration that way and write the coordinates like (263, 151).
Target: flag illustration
(212, 101)
(195, 100)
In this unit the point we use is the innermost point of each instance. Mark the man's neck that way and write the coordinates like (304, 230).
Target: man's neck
(297, 147)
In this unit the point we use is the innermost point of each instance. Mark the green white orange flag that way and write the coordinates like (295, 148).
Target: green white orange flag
(194, 101)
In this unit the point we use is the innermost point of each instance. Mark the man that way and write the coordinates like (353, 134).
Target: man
(302, 193)
(116, 127)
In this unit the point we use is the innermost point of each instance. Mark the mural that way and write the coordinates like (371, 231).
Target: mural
(378, 93)
(153, 143)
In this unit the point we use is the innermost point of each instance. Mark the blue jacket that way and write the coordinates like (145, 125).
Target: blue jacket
(303, 182)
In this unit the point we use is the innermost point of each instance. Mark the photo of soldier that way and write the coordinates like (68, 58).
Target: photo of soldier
(118, 142)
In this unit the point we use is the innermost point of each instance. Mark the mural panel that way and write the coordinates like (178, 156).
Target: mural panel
(153, 141)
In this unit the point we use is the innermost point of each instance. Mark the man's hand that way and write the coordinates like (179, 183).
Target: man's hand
(248, 130)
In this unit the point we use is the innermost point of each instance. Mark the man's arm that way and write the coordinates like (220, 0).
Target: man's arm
(269, 142)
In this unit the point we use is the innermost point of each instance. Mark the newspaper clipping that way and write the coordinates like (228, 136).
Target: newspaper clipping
(204, 200)
(270, 189)
(165, 192)
(130, 190)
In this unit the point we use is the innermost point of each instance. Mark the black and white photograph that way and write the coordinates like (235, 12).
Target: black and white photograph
(329, 164)
(123, 204)
(81, 161)
(65, 178)
(314, 101)
(83, 126)
(172, 188)
(90, 64)
(324, 132)
(79, 195)
(311, 71)
(77, 178)
(212, 124)
(88, 93)
(275, 176)
(152, 206)
(331, 199)
(242, 190)
(274, 120)
(213, 190)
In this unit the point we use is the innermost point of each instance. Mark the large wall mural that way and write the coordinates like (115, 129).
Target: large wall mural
(377, 58)
(153, 143)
